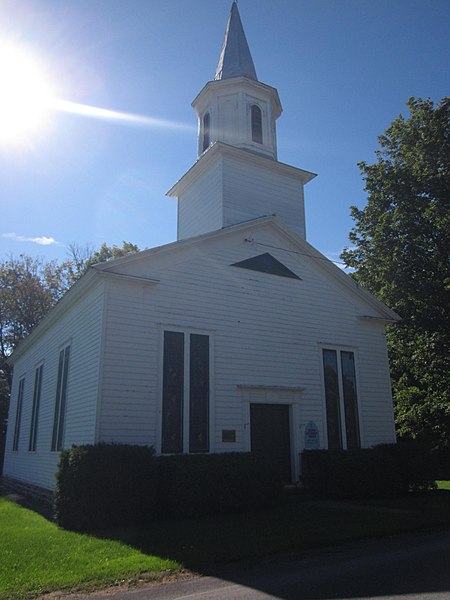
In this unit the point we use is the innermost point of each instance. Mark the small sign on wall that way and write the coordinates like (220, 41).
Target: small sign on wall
(312, 437)
(228, 435)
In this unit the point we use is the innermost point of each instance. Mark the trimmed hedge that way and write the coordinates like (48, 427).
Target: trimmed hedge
(381, 472)
(105, 485)
(109, 485)
(442, 457)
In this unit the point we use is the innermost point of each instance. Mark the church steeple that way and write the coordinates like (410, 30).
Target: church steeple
(235, 59)
(237, 176)
(236, 108)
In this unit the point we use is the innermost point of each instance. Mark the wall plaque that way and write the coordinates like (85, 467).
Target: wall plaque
(228, 435)
(312, 437)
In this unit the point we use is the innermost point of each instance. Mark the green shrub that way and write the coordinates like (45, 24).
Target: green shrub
(104, 486)
(205, 484)
(416, 464)
(381, 472)
(110, 485)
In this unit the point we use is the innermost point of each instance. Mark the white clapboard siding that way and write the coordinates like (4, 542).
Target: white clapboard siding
(200, 208)
(267, 333)
(267, 330)
(81, 327)
(251, 191)
(227, 187)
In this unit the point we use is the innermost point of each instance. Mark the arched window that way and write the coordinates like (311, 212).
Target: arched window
(206, 131)
(256, 124)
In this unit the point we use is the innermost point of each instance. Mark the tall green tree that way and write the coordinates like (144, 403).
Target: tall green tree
(401, 251)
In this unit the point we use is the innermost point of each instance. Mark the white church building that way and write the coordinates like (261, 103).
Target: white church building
(239, 336)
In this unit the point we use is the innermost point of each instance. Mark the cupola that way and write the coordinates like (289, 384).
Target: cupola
(236, 108)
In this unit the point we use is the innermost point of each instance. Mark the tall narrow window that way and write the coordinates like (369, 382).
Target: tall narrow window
(332, 399)
(18, 415)
(60, 401)
(173, 392)
(341, 399)
(198, 393)
(206, 131)
(256, 116)
(185, 394)
(350, 399)
(35, 408)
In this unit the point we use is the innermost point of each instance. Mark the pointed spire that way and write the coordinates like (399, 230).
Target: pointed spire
(235, 58)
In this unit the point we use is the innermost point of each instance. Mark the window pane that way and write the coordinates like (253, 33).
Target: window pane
(256, 116)
(62, 411)
(60, 401)
(350, 399)
(57, 400)
(173, 390)
(332, 399)
(199, 393)
(35, 409)
(18, 415)
(206, 134)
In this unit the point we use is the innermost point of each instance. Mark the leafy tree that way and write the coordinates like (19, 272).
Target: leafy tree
(401, 250)
(81, 258)
(29, 288)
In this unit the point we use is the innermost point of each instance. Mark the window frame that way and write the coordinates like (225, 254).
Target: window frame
(60, 409)
(19, 410)
(206, 131)
(256, 124)
(343, 420)
(185, 442)
(37, 391)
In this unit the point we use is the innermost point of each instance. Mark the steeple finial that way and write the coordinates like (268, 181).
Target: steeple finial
(235, 58)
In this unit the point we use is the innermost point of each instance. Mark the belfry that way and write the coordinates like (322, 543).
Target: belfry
(237, 176)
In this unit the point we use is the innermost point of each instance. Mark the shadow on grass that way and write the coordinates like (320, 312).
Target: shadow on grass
(45, 509)
(256, 549)
(277, 551)
(300, 527)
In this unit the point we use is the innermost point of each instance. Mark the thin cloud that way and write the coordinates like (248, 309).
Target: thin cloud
(41, 240)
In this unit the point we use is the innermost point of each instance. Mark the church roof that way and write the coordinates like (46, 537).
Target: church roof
(235, 59)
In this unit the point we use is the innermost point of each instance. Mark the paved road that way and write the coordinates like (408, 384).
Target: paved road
(409, 567)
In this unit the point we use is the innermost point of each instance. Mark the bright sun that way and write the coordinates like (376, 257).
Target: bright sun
(25, 97)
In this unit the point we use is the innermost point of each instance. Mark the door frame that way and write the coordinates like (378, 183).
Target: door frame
(290, 396)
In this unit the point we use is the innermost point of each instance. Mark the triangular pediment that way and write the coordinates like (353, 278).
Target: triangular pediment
(266, 263)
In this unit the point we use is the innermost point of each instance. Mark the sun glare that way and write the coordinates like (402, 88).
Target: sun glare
(25, 96)
(28, 96)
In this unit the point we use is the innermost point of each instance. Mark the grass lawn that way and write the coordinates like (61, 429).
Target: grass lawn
(37, 556)
(443, 485)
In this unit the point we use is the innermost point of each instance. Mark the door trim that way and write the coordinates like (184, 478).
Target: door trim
(264, 394)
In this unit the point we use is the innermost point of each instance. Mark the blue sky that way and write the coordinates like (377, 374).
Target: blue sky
(344, 70)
